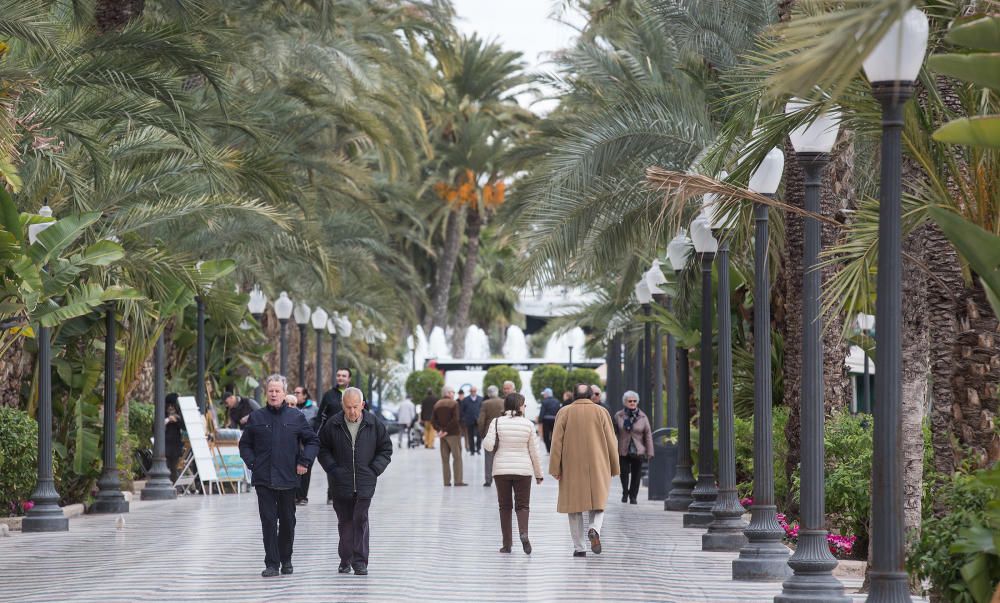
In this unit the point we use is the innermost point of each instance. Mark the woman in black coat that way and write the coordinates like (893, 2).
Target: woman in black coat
(173, 440)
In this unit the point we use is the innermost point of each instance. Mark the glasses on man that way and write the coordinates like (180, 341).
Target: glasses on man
(636, 400)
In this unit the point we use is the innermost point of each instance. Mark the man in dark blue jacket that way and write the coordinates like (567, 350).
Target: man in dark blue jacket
(547, 415)
(469, 411)
(278, 446)
(354, 449)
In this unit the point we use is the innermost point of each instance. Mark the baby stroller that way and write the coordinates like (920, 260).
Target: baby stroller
(416, 438)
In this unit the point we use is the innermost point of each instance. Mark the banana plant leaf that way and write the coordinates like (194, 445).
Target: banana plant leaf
(982, 131)
(982, 33)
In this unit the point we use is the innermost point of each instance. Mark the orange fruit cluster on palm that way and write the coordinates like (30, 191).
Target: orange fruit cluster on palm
(466, 193)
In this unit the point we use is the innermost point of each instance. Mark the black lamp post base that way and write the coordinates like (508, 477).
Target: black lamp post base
(762, 563)
(678, 500)
(889, 587)
(698, 519)
(812, 588)
(108, 502)
(158, 491)
(723, 540)
(45, 518)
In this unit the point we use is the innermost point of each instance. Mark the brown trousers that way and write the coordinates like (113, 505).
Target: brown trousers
(513, 494)
(451, 445)
(429, 435)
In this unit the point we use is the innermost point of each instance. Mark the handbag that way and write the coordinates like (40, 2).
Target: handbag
(632, 450)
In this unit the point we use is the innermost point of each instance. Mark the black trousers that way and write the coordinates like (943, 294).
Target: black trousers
(472, 440)
(172, 465)
(352, 525)
(302, 492)
(277, 522)
(547, 427)
(631, 467)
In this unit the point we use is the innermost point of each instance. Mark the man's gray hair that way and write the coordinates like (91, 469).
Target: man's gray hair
(492, 391)
(276, 378)
(353, 392)
(447, 390)
(511, 383)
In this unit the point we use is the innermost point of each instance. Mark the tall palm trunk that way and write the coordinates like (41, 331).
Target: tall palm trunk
(473, 227)
(15, 366)
(446, 267)
(977, 377)
(114, 15)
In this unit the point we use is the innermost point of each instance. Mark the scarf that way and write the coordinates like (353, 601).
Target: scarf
(631, 415)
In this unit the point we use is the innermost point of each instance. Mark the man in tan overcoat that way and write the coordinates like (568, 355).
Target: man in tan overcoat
(584, 458)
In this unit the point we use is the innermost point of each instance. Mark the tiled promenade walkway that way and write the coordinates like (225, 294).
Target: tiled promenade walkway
(429, 543)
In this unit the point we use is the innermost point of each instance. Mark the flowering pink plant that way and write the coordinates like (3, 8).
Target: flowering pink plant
(27, 505)
(841, 546)
(746, 502)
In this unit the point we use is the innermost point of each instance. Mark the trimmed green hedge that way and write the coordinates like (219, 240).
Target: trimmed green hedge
(581, 375)
(549, 375)
(418, 382)
(500, 373)
(18, 458)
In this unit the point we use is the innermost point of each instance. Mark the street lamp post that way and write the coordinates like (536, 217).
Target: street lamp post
(159, 487)
(109, 497)
(699, 514)
(645, 297)
(319, 320)
(256, 305)
(725, 533)
(892, 67)
(679, 498)
(283, 310)
(655, 278)
(46, 515)
(302, 313)
(812, 561)
(764, 557)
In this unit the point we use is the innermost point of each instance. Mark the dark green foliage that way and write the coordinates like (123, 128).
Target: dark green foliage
(848, 476)
(743, 375)
(957, 550)
(744, 454)
(500, 373)
(582, 375)
(140, 421)
(550, 375)
(18, 459)
(418, 382)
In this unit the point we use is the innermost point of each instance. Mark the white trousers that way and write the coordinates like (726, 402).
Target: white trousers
(577, 531)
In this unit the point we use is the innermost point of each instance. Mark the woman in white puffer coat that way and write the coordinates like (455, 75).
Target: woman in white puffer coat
(511, 439)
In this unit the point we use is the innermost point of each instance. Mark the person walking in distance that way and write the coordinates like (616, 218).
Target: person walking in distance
(354, 449)
(329, 405)
(511, 439)
(311, 411)
(547, 415)
(635, 444)
(405, 417)
(173, 440)
(238, 409)
(470, 417)
(583, 460)
(446, 422)
(427, 416)
(278, 447)
(491, 409)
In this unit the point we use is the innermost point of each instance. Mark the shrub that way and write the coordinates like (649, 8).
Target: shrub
(140, 422)
(19, 459)
(848, 475)
(550, 375)
(581, 375)
(744, 453)
(500, 373)
(418, 382)
(957, 550)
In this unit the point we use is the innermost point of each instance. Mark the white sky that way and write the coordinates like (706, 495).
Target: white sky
(522, 25)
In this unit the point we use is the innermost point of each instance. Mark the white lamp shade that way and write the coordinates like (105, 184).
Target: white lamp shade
(258, 301)
(344, 327)
(655, 278)
(767, 176)
(817, 137)
(302, 313)
(701, 235)
(678, 250)
(642, 292)
(35, 229)
(331, 325)
(710, 206)
(865, 322)
(283, 307)
(900, 53)
(319, 317)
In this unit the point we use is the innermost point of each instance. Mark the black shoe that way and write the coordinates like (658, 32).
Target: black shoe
(486, 484)
(360, 569)
(525, 544)
(461, 484)
(624, 497)
(579, 553)
(505, 549)
(595, 541)
(633, 501)
(286, 568)
(345, 568)
(269, 572)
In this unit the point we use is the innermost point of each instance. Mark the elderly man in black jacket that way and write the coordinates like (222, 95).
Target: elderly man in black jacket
(354, 448)
(278, 446)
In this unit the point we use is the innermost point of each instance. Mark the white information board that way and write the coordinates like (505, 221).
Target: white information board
(195, 425)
